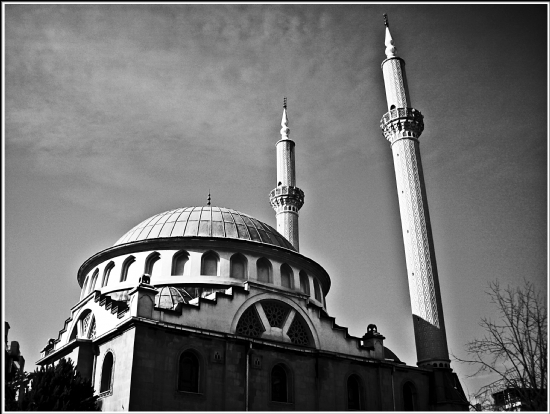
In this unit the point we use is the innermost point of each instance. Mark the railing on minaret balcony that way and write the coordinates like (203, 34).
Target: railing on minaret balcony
(402, 126)
(286, 199)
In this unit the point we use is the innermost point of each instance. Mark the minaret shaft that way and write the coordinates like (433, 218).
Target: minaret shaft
(286, 199)
(286, 167)
(402, 126)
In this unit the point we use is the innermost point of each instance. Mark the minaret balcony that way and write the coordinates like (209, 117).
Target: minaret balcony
(402, 123)
(287, 195)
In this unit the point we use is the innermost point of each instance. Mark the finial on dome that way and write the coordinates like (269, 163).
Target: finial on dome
(208, 203)
(390, 48)
(285, 130)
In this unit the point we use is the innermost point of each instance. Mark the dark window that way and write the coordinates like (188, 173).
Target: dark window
(317, 290)
(354, 393)
(150, 262)
(93, 281)
(209, 264)
(279, 384)
(107, 273)
(178, 264)
(263, 267)
(125, 267)
(286, 276)
(408, 397)
(238, 266)
(188, 378)
(304, 282)
(106, 373)
(84, 286)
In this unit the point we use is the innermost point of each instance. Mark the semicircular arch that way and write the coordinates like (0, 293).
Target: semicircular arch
(274, 297)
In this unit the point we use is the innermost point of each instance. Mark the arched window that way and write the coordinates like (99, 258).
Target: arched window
(304, 282)
(354, 393)
(238, 266)
(107, 373)
(125, 267)
(317, 290)
(188, 374)
(209, 264)
(152, 264)
(178, 263)
(286, 276)
(93, 281)
(279, 384)
(409, 394)
(107, 273)
(263, 268)
(85, 286)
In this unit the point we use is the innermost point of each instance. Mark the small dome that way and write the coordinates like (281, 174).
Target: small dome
(206, 221)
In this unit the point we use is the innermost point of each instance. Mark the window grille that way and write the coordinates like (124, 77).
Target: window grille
(250, 323)
(275, 313)
(86, 323)
(297, 333)
(91, 335)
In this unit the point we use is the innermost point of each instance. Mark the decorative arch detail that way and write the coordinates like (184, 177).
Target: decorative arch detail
(287, 276)
(210, 261)
(107, 373)
(264, 270)
(273, 317)
(179, 263)
(107, 273)
(150, 263)
(238, 267)
(85, 326)
(125, 267)
(93, 281)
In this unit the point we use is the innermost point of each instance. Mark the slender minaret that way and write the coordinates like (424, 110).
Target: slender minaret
(402, 127)
(286, 198)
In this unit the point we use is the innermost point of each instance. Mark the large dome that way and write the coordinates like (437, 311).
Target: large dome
(205, 222)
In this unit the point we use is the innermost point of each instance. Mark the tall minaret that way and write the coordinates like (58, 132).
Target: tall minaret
(286, 198)
(402, 127)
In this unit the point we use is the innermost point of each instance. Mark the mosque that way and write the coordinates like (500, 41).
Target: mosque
(207, 308)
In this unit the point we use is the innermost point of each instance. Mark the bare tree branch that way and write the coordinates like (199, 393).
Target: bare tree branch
(514, 348)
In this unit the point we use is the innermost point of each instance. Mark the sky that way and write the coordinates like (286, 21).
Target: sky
(114, 113)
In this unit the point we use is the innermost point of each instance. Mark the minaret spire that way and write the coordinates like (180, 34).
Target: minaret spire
(390, 48)
(286, 199)
(402, 126)
(285, 130)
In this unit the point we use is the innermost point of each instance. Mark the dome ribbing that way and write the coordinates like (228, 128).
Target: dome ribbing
(205, 221)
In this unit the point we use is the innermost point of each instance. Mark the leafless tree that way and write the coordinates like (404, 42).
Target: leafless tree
(514, 348)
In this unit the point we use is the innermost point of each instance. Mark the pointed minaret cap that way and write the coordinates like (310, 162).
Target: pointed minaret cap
(285, 130)
(390, 48)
